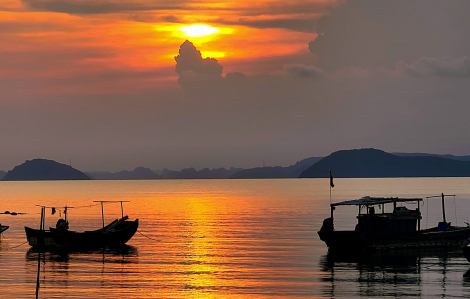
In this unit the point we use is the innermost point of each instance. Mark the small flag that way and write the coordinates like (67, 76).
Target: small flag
(331, 180)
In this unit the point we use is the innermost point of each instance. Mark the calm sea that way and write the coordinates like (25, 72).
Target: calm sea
(225, 239)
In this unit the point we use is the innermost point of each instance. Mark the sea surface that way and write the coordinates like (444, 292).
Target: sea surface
(225, 239)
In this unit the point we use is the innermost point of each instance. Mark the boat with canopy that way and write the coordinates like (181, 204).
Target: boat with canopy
(396, 229)
(118, 232)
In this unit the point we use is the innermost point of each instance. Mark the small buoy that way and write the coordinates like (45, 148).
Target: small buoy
(13, 213)
(7, 212)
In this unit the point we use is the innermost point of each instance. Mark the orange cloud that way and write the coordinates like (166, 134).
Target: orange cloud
(72, 39)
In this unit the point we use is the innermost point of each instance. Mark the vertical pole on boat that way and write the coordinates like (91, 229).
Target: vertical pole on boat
(102, 213)
(443, 209)
(419, 219)
(122, 211)
(42, 219)
(65, 212)
(330, 195)
(331, 184)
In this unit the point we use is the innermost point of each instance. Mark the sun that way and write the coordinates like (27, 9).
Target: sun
(198, 30)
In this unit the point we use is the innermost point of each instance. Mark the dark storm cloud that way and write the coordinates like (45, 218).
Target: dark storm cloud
(372, 34)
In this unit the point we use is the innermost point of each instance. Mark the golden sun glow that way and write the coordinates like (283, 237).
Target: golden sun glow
(198, 30)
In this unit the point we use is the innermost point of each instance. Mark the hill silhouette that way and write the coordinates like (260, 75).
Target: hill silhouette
(206, 173)
(41, 170)
(139, 173)
(270, 172)
(373, 163)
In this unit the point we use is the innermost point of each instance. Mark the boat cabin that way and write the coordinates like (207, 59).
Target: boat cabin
(373, 218)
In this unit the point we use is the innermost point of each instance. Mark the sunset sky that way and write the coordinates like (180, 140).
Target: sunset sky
(113, 84)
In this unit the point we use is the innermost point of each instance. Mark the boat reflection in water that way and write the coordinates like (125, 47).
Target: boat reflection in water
(63, 254)
(401, 273)
(55, 267)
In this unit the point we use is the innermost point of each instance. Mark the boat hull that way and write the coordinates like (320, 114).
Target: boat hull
(108, 236)
(349, 240)
(3, 228)
(466, 252)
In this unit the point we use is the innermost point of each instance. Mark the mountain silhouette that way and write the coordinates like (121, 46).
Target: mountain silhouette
(373, 163)
(42, 170)
(271, 172)
(139, 173)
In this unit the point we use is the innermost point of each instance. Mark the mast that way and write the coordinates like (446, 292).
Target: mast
(442, 196)
(443, 209)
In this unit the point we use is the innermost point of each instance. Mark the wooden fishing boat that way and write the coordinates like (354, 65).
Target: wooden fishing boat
(118, 232)
(398, 229)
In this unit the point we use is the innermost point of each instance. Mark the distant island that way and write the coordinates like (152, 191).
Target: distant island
(373, 163)
(139, 173)
(292, 171)
(356, 163)
(206, 173)
(142, 173)
(43, 170)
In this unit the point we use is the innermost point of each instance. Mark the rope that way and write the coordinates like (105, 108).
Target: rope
(147, 236)
(16, 246)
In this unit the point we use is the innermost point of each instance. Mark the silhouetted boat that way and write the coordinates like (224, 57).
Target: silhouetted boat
(116, 233)
(397, 230)
(3, 228)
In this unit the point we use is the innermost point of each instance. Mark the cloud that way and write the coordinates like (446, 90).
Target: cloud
(297, 7)
(195, 72)
(121, 117)
(295, 24)
(232, 120)
(348, 108)
(376, 34)
(189, 60)
(152, 18)
(305, 71)
(101, 7)
(443, 67)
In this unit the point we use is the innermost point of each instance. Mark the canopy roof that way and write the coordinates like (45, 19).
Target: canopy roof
(370, 201)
